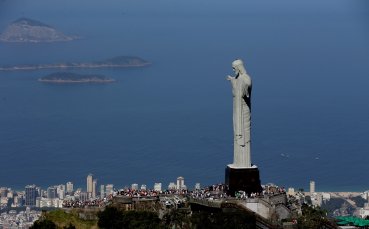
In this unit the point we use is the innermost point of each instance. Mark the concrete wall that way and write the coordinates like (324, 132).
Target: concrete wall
(258, 207)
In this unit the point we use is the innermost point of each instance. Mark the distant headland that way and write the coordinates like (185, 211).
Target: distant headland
(67, 77)
(115, 62)
(32, 31)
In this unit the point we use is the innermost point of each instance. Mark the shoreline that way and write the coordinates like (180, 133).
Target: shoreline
(60, 81)
(64, 66)
(342, 194)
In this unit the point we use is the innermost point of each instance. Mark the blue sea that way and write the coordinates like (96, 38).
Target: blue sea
(309, 61)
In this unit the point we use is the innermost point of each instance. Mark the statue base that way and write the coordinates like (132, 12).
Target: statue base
(242, 179)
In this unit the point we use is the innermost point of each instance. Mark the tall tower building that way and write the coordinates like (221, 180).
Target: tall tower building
(102, 191)
(39, 192)
(134, 187)
(312, 187)
(61, 194)
(172, 186)
(94, 187)
(51, 193)
(143, 187)
(3, 192)
(109, 189)
(83, 196)
(30, 195)
(69, 187)
(157, 187)
(197, 186)
(60, 191)
(89, 185)
(180, 183)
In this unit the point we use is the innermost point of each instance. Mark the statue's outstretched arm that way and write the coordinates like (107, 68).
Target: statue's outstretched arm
(230, 77)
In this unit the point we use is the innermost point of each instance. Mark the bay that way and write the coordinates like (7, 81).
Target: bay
(309, 65)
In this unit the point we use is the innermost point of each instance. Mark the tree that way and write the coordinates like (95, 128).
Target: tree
(110, 218)
(70, 226)
(140, 220)
(226, 220)
(177, 219)
(113, 218)
(43, 224)
(311, 217)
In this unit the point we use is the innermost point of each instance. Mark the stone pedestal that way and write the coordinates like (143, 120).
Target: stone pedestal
(242, 179)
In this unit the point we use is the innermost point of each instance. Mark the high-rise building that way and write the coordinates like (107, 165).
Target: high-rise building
(312, 187)
(51, 192)
(143, 187)
(291, 191)
(172, 186)
(3, 192)
(134, 186)
(180, 183)
(61, 194)
(157, 187)
(69, 187)
(102, 191)
(39, 191)
(94, 187)
(109, 189)
(10, 194)
(197, 186)
(30, 195)
(83, 196)
(17, 201)
(60, 191)
(89, 185)
(38, 202)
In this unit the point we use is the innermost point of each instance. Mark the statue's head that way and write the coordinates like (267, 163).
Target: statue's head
(238, 67)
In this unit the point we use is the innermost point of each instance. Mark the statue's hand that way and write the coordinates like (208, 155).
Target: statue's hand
(229, 78)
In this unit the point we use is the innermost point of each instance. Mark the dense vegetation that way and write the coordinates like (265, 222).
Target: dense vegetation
(237, 220)
(29, 22)
(113, 218)
(59, 219)
(312, 218)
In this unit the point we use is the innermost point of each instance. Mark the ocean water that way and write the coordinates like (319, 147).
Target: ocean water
(309, 62)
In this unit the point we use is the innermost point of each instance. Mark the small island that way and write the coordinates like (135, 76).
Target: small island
(68, 77)
(27, 30)
(115, 62)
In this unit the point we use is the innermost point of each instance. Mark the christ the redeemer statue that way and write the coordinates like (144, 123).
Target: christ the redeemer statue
(241, 176)
(241, 90)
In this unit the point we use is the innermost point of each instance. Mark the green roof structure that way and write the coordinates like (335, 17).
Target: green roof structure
(344, 220)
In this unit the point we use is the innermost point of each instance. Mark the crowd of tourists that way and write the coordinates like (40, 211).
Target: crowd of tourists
(211, 192)
(138, 193)
(88, 203)
(219, 191)
(271, 189)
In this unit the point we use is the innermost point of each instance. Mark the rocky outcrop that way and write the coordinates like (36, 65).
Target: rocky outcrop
(115, 62)
(28, 30)
(68, 77)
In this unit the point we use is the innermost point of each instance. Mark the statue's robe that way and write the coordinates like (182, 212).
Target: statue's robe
(241, 89)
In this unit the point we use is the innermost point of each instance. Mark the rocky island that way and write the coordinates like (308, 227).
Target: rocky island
(115, 62)
(28, 30)
(68, 77)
